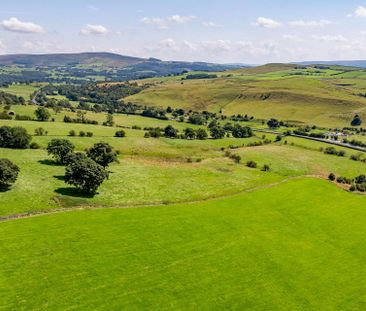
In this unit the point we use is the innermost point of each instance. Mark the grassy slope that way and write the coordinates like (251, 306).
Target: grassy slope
(269, 91)
(283, 248)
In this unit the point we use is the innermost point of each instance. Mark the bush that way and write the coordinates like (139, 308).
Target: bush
(189, 133)
(331, 177)
(82, 134)
(72, 133)
(34, 145)
(251, 164)
(8, 173)
(102, 153)
(273, 123)
(120, 133)
(239, 131)
(201, 134)
(217, 132)
(60, 149)
(356, 120)
(40, 132)
(89, 134)
(266, 168)
(170, 132)
(154, 132)
(85, 174)
(14, 137)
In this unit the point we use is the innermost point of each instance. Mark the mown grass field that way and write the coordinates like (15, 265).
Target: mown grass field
(324, 97)
(296, 246)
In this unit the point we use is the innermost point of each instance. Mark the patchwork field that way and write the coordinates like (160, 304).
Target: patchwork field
(185, 224)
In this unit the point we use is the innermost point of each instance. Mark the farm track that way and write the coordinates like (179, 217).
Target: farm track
(97, 207)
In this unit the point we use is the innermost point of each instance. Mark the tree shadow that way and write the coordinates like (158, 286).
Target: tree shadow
(59, 177)
(74, 192)
(4, 188)
(50, 162)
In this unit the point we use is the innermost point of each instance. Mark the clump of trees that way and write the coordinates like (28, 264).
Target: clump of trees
(334, 151)
(14, 137)
(42, 114)
(273, 123)
(8, 173)
(356, 184)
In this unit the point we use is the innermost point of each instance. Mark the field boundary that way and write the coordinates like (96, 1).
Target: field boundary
(146, 205)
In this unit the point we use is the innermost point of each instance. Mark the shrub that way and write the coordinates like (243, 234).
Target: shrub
(273, 123)
(217, 132)
(239, 131)
(189, 133)
(89, 134)
(34, 145)
(331, 177)
(102, 153)
(266, 168)
(85, 174)
(40, 132)
(8, 173)
(170, 132)
(60, 149)
(356, 120)
(201, 134)
(252, 164)
(72, 133)
(82, 134)
(120, 133)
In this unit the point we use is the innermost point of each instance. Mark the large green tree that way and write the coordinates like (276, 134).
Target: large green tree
(85, 174)
(8, 173)
(102, 153)
(60, 149)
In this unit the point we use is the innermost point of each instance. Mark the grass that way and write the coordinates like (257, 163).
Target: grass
(22, 90)
(326, 97)
(280, 248)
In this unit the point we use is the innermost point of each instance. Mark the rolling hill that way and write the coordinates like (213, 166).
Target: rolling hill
(301, 94)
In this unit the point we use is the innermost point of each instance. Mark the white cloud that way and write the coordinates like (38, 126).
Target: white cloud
(211, 24)
(15, 25)
(217, 45)
(360, 12)
(291, 38)
(94, 30)
(302, 23)
(329, 38)
(164, 23)
(93, 8)
(266, 23)
(170, 44)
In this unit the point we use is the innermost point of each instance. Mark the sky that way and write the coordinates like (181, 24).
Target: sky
(225, 31)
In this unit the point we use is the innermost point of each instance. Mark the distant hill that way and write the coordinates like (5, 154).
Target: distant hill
(81, 67)
(69, 59)
(348, 63)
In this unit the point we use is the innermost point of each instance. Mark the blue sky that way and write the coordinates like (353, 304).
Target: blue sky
(218, 31)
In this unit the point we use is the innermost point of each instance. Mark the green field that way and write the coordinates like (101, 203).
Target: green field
(179, 225)
(280, 248)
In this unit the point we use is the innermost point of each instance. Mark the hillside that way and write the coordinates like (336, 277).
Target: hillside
(351, 63)
(308, 94)
(69, 59)
(85, 67)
